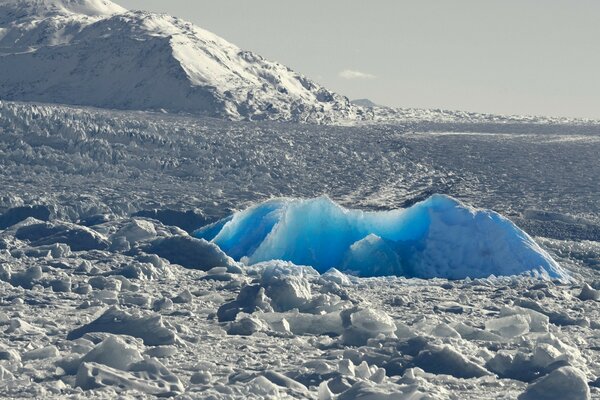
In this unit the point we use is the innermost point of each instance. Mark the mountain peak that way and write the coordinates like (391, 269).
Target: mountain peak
(145, 61)
(32, 8)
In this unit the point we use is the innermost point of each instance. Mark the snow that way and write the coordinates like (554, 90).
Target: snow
(99, 48)
(562, 383)
(48, 7)
(104, 293)
(438, 237)
(90, 197)
(115, 352)
(147, 376)
(149, 328)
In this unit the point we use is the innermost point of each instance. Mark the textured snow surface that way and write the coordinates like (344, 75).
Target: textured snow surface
(104, 293)
(438, 237)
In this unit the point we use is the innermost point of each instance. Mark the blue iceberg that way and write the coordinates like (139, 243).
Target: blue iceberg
(438, 237)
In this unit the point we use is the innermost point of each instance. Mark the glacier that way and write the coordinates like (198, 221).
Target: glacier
(438, 237)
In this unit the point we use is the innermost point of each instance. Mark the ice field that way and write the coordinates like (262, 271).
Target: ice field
(106, 290)
(183, 218)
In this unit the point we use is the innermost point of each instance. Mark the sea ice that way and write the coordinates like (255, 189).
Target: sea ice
(446, 360)
(149, 328)
(438, 237)
(114, 352)
(189, 252)
(562, 383)
(147, 376)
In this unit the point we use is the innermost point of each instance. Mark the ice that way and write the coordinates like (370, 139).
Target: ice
(250, 299)
(27, 277)
(161, 351)
(147, 376)
(509, 326)
(184, 297)
(439, 237)
(63, 284)
(41, 353)
(443, 330)
(538, 322)
(149, 328)
(366, 324)
(5, 375)
(307, 324)
(135, 231)
(284, 381)
(77, 237)
(562, 383)
(263, 388)
(337, 277)
(589, 293)
(286, 291)
(201, 378)
(17, 214)
(16, 326)
(10, 355)
(189, 252)
(446, 360)
(187, 220)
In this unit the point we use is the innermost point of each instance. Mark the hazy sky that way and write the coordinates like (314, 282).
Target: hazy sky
(509, 56)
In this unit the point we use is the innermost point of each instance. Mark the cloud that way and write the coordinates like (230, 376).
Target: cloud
(353, 74)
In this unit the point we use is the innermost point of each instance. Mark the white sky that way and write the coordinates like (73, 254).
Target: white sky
(505, 57)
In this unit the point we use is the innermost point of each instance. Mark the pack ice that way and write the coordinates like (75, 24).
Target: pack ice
(438, 237)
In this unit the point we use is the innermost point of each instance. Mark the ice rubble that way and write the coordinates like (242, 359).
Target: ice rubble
(438, 237)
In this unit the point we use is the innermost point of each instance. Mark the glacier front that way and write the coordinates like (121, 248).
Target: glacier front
(438, 237)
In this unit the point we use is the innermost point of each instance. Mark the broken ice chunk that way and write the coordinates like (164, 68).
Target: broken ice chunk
(366, 324)
(438, 237)
(149, 328)
(509, 326)
(589, 293)
(147, 376)
(114, 352)
(446, 360)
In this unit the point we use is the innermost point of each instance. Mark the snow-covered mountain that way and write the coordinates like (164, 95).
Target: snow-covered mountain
(96, 53)
(365, 103)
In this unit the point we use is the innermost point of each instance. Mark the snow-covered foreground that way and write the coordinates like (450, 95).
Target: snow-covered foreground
(103, 290)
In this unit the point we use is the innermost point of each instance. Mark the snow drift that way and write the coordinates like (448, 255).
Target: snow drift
(439, 237)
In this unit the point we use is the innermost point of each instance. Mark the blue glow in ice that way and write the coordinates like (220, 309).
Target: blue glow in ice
(439, 237)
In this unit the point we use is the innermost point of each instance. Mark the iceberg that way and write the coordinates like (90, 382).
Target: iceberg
(438, 237)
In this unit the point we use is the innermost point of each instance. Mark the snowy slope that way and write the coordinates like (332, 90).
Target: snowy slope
(93, 52)
(26, 25)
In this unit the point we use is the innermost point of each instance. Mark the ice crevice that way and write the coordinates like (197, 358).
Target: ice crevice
(438, 237)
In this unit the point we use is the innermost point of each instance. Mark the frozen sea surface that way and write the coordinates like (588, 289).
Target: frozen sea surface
(104, 293)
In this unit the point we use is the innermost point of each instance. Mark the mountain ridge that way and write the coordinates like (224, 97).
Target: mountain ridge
(142, 60)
